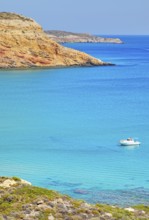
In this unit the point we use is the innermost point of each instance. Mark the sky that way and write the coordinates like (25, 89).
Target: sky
(88, 16)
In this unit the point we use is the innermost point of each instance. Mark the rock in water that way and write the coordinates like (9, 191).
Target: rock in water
(24, 44)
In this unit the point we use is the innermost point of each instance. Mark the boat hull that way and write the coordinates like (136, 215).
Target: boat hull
(129, 143)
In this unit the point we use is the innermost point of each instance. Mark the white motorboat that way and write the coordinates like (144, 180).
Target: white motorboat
(129, 142)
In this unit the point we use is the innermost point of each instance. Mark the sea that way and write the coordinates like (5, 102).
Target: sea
(60, 128)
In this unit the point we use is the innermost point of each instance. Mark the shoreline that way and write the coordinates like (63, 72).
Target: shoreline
(30, 202)
(32, 47)
(72, 37)
(55, 67)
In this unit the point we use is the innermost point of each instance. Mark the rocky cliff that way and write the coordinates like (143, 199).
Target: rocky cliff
(20, 200)
(24, 44)
(70, 37)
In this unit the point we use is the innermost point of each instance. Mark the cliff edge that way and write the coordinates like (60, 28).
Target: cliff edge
(24, 44)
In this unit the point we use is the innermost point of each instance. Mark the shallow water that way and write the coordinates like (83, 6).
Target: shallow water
(59, 128)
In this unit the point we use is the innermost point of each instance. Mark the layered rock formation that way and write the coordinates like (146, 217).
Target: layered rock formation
(24, 44)
(70, 37)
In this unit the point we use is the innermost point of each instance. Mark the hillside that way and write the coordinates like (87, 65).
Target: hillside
(70, 37)
(20, 200)
(23, 44)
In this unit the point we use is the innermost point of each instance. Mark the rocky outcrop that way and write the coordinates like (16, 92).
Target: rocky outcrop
(24, 44)
(21, 200)
(70, 37)
(9, 182)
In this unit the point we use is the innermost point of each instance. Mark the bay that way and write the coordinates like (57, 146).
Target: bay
(60, 128)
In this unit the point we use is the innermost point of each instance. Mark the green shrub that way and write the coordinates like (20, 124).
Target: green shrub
(16, 178)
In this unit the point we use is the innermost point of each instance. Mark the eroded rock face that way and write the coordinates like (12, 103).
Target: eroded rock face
(24, 44)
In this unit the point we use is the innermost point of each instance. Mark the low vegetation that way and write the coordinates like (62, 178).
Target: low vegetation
(20, 200)
(13, 16)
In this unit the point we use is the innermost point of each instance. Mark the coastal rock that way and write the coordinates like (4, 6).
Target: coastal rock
(25, 182)
(29, 202)
(50, 217)
(70, 37)
(130, 209)
(108, 215)
(24, 44)
(7, 183)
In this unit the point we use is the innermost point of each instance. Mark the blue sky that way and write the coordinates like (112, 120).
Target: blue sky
(96, 16)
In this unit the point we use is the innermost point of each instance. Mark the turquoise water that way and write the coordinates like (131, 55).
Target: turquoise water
(59, 128)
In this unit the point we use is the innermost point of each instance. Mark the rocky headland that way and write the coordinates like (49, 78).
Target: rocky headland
(70, 37)
(20, 200)
(23, 44)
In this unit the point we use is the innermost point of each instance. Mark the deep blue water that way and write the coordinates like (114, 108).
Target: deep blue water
(59, 128)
